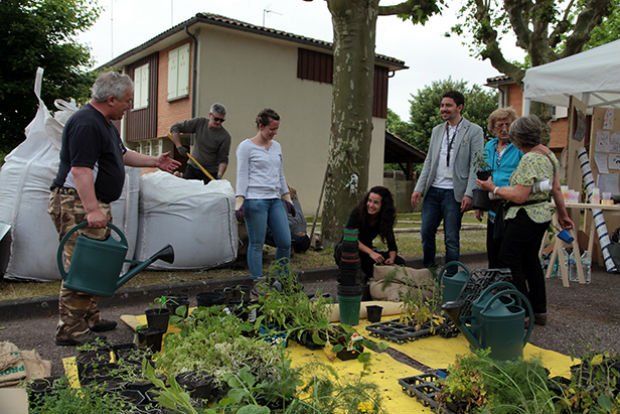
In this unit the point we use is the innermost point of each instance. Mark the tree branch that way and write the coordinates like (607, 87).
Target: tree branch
(590, 17)
(418, 11)
(487, 36)
(563, 25)
(518, 14)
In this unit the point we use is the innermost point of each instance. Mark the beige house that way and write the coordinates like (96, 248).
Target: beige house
(210, 58)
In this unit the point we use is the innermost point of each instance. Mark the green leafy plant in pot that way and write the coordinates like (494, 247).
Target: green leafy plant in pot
(158, 316)
(347, 344)
(309, 320)
(481, 199)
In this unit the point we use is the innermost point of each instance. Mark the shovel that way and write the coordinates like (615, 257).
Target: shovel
(191, 157)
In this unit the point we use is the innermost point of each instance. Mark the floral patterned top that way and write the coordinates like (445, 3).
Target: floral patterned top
(533, 167)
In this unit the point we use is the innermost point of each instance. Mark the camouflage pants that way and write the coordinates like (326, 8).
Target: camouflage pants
(77, 310)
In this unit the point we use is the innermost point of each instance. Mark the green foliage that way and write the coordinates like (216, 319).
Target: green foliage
(594, 385)
(483, 385)
(40, 33)
(397, 126)
(546, 30)
(480, 161)
(322, 392)
(290, 309)
(90, 398)
(424, 110)
(608, 30)
(211, 342)
(421, 299)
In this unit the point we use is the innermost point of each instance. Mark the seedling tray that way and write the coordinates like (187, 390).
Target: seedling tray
(397, 331)
(424, 388)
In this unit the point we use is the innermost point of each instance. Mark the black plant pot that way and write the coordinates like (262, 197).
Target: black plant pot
(158, 318)
(38, 389)
(481, 200)
(373, 313)
(214, 298)
(133, 396)
(181, 303)
(349, 290)
(150, 338)
(176, 301)
(306, 340)
(346, 355)
(199, 386)
(126, 352)
(483, 175)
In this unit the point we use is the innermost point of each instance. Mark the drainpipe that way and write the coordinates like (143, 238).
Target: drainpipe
(194, 69)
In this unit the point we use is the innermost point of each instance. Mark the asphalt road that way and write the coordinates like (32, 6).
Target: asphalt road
(581, 318)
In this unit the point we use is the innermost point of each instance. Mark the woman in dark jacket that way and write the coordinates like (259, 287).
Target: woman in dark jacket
(375, 216)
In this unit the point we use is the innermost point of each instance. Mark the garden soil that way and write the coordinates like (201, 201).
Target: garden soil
(581, 318)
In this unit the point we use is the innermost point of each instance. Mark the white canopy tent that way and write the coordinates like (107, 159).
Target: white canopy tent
(592, 76)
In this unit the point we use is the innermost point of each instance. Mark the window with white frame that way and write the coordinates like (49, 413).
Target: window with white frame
(141, 87)
(178, 72)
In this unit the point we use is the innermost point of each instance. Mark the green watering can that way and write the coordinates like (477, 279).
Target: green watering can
(500, 324)
(453, 284)
(96, 264)
(481, 301)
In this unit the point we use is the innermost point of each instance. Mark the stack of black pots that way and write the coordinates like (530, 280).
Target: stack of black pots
(349, 287)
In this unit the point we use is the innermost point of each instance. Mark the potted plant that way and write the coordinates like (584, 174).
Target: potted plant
(158, 316)
(88, 399)
(178, 305)
(149, 338)
(347, 344)
(309, 320)
(481, 199)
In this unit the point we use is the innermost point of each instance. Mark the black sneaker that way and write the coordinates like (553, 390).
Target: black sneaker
(103, 325)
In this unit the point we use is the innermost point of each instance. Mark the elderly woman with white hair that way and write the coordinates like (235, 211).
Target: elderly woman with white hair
(527, 211)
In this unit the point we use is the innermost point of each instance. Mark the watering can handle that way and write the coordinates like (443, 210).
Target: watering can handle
(61, 246)
(528, 309)
(497, 285)
(453, 263)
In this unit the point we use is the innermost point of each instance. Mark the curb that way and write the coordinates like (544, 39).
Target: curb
(48, 305)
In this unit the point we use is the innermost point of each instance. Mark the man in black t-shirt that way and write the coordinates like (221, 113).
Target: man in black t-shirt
(90, 176)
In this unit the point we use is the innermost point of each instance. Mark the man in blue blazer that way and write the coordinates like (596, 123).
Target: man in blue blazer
(448, 177)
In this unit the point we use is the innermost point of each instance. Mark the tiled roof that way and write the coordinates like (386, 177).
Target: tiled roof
(227, 22)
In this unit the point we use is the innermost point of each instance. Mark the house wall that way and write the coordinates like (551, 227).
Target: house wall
(559, 127)
(177, 110)
(247, 73)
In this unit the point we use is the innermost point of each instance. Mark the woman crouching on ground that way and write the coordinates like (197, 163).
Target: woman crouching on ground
(375, 216)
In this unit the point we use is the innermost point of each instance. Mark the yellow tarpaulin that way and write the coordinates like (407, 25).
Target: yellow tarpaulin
(434, 352)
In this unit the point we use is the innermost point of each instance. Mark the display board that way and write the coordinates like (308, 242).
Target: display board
(605, 149)
(604, 156)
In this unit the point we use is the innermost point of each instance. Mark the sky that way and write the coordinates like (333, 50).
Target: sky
(430, 56)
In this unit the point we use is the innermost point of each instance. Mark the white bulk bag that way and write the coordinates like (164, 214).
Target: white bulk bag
(25, 180)
(196, 219)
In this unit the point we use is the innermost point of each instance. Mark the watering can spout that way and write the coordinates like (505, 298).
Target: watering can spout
(166, 254)
(453, 309)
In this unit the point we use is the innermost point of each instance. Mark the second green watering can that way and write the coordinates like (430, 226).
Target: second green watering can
(96, 264)
(453, 280)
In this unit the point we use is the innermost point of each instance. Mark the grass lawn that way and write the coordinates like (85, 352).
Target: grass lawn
(473, 239)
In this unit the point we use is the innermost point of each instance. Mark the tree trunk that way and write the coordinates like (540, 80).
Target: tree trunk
(354, 23)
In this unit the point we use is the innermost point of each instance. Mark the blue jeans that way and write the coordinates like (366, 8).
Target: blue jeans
(258, 214)
(439, 204)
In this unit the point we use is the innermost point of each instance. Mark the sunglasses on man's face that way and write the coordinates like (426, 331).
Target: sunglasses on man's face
(218, 119)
